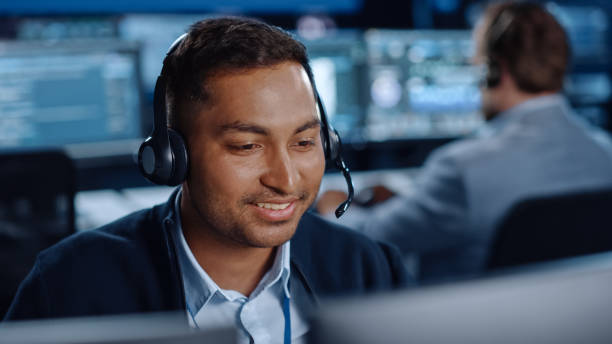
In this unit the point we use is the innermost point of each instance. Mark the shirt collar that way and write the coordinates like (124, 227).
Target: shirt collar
(518, 111)
(200, 288)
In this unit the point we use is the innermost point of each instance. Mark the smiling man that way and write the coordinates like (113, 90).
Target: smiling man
(235, 244)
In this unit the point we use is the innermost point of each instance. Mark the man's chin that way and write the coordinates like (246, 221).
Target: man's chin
(267, 243)
(269, 235)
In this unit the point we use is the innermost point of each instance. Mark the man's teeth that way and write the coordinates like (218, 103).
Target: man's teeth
(273, 206)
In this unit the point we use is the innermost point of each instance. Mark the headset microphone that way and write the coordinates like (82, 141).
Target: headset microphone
(349, 182)
(332, 146)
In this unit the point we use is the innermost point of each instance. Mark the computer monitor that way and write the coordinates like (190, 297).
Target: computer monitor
(83, 96)
(97, 7)
(588, 86)
(154, 328)
(588, 29)
(154, 39)
(421, 84)
(338, 61)
(562, 302)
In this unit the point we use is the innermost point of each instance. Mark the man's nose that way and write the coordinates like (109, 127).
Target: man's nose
(281, 173)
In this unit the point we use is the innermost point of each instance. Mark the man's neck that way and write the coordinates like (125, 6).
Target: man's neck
(513, 96)
(231, 265)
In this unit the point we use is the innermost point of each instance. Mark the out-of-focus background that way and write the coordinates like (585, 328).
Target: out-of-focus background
(395, 77)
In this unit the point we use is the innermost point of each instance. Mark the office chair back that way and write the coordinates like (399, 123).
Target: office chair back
(36, 211)
(552, 227)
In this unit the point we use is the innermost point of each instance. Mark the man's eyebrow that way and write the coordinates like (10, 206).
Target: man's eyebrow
(310, 124)
(256, 129)
(243, 127)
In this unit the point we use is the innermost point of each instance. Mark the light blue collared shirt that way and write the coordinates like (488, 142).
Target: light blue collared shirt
(258, 318)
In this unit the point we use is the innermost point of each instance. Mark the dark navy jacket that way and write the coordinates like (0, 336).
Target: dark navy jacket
(130, 266)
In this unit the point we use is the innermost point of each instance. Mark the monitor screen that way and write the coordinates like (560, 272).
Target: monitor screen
(143, 6)
(83, 96)
(589, 85)
(587, 28)
(153, 328)
(421, 84)
(338, 64)
(154, 40)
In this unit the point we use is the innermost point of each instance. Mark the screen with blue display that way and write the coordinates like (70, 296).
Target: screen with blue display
(142, 6)
(589, 85)
(154, 40)
(397, 84)
(421, 84)
(338, 64)
(84, 96)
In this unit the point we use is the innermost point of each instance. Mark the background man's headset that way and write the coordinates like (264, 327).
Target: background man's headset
(500, 25)
(163, 158)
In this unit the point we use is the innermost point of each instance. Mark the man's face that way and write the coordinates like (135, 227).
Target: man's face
(256, 158)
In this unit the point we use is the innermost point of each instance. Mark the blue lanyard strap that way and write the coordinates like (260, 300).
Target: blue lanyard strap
(287, 314)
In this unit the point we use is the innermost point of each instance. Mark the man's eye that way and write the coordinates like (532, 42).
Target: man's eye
(305, 144)
(244, 148)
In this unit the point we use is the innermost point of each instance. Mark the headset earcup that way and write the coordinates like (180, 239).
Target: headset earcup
(181, 159)
(493, 77)
(154, 164)
(146, 158)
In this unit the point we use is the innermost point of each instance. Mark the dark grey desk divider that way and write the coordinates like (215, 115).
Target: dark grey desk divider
(155, 328)
(553, 303)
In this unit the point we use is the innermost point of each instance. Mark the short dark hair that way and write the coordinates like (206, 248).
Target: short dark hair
(223, 45)
(534, 47)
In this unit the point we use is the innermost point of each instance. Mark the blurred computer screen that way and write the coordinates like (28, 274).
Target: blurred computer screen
(391, 93)
(338, 61)
(154, 39)
(397, 84)
(421, 84)
(143, 6)
(81, 95)
(588, 85)
(155, 328)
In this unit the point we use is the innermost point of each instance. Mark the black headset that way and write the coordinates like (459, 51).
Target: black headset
(163, 158)
(500, 25)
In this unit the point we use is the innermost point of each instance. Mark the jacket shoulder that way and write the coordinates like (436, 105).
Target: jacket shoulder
(336, 259)
(113, 236)
(94, 272)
